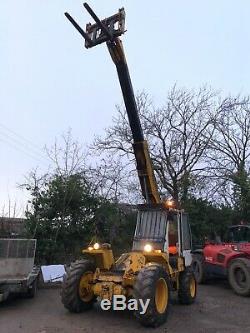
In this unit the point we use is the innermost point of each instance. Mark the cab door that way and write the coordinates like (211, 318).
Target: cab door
(185, 238)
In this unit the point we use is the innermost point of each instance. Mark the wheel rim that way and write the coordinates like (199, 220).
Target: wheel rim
(192, 287)
(240, 277)
(161, 295)
(85, 287)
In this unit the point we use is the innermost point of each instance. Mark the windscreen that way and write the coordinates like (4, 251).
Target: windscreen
(151, 227)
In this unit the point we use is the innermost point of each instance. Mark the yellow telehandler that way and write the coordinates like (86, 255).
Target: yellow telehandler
(160, 259)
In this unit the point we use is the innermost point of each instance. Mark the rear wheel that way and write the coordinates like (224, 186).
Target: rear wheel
(77, 294)
(198, 265)
(152, 284)
(187, 287)
(239, 276)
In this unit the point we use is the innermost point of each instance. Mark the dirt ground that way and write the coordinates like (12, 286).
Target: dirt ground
(217, 310)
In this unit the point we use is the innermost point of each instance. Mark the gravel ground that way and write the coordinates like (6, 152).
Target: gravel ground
(217, 310)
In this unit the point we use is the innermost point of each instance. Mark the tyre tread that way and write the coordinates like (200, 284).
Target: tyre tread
(69, 293)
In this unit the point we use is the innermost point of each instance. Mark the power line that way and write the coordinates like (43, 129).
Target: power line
(5, 140)
(23, 146)
(20, 136)
(32, 146)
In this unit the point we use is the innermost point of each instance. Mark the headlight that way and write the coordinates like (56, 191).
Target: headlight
(148, 248)
(96, 246)
(169, 203)
(235, 247)
(90, 248)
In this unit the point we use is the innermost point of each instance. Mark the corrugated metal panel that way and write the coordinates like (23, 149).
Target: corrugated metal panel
(151, 225)
(17, 248)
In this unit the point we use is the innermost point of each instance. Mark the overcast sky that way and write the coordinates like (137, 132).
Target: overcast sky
(50, 82)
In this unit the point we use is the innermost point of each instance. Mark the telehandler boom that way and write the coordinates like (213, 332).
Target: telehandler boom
(160, 260)
(106, 31)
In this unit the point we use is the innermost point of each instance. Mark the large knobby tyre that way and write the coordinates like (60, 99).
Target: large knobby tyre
(239, 276)
(187, 286)
(198, 265)
(152, 284)
(77, 294)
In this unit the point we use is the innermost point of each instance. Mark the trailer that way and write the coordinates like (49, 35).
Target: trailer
(18, 274)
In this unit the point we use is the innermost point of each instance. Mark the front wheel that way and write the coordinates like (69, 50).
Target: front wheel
(239, 276)
(77, 294)
(152, 285)
(187, 286)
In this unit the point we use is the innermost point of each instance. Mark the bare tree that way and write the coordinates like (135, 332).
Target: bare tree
(68, 156)
(178, 133)
(11, 210)
(109, 179)
(229, 149)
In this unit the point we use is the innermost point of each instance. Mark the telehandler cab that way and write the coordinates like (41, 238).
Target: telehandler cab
(160, 260)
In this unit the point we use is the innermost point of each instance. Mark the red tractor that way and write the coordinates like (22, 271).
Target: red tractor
(229, 259)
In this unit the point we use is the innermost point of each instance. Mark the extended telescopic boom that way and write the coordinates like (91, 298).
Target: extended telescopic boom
(109, 30)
